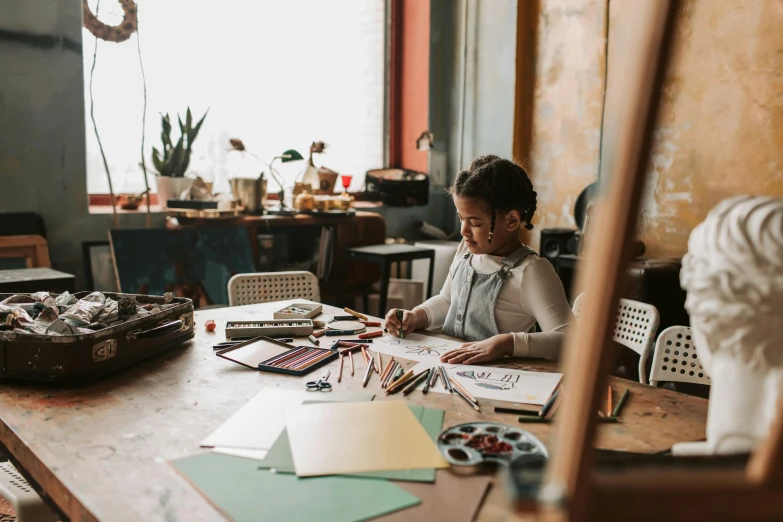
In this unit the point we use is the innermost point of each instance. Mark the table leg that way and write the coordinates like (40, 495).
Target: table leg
(432, 273)
(385, 274)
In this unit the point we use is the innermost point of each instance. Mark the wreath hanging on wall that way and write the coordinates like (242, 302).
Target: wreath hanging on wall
(112, 33)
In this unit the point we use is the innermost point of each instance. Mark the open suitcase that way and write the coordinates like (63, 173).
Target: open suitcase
(80, 359)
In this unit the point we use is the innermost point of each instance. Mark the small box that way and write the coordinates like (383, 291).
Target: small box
(299, 311)
(276, 328)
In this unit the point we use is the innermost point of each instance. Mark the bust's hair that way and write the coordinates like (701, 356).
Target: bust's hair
(733, 274)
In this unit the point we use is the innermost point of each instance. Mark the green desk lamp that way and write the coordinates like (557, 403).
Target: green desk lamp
(285, 157)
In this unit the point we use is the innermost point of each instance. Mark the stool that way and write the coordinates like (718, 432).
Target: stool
(388, 254)
(17, 491)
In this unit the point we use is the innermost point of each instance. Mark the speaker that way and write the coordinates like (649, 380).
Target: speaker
(556, 242)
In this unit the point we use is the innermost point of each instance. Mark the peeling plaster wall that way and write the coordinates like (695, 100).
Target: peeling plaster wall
(721, 126)
(567, 108)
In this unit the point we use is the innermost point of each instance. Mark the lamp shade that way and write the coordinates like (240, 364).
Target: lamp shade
(290, 155)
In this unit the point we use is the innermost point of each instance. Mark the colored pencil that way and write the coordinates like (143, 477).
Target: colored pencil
(425, 376)
(433, 376)
(474, 405)
(442, 378)
(370, 335)
(367, 375)
(387, 370)
(377, 364)
(364, 354)
(619, 407)
(463, 390)
(286, 355)
(355, 314)
(555, 406)
(303, 360)
(516, 411)
(609, 401)
(398, 313)
(548, 404)
(398, 373)
(350, 356)
(397, 384)
(429, 381)
(356, 341)
(447, 380)
(380, 363)
(389, 375)
(405, 381)
(311, 361)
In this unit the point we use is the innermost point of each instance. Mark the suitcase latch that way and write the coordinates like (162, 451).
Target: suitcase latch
(104, 350)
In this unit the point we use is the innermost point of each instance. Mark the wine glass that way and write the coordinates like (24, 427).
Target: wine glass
(346, 182)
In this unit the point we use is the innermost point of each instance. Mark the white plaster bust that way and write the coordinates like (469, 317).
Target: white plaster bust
(733, 275)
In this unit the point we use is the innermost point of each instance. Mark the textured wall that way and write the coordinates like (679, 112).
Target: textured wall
(567, 107)
(721, 127)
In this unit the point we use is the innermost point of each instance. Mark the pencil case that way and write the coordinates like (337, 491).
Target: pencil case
(269, 355)
(270, 328)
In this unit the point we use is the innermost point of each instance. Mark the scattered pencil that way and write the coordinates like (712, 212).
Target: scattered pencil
(350, 356)
(364, 354)
(464, 391)
(548, 405)
(446, 382)
(398, 313)
(398, 373)
(390, 375)
(385, 371)
(609, 401)
(434, 376)
(376, 363)
(516, 411)
(355, 314)
(430, 380)
(380, 363)
(367, 375)
(314, 340)
(415, 381)
(340, 375)
(398, 384)
(474, 405)
(619, 407)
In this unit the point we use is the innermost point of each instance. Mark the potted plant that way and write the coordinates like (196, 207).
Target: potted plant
(172, 163)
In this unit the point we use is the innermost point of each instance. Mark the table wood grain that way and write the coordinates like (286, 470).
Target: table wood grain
(101, 452)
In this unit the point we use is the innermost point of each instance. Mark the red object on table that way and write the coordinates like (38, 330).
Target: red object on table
(370, 335)
(346, 180)
(210, 325)
(370, 323)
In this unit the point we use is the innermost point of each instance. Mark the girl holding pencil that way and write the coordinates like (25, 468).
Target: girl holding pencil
(497, 288)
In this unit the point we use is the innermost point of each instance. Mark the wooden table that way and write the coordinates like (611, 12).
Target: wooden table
(101, 452)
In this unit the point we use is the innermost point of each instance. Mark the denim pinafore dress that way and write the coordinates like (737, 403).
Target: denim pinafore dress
(471, 314)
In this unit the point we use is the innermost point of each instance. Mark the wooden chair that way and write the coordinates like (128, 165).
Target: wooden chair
(675, 358)
(264, 287)
(635, 328)
(33, 249)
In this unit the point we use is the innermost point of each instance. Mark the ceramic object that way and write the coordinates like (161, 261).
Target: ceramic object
(171, 188)
(733, 274)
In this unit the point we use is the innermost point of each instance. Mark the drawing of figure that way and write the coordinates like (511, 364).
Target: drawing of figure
(424, 350)
(492, 381)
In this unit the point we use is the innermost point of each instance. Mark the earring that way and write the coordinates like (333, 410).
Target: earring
(492, 227)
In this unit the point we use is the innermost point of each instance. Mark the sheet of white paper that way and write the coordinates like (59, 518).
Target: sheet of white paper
(500, 384)
(258, 424)
(243, 453)
(415, 347)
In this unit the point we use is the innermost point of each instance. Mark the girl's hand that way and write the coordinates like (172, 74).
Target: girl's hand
(495, 347)
(393, 325)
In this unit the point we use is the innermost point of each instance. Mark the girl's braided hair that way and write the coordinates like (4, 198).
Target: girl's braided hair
(500, 184)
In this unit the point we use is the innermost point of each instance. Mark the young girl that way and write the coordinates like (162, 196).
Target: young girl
(497, 288)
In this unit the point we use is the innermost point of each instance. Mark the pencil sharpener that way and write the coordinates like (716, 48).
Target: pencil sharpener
(477, 443)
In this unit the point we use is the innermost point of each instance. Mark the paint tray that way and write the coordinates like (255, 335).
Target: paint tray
(270, 328)
(299, 311)
(262, 353)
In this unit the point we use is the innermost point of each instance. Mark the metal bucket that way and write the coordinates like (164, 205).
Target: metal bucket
(250, 193)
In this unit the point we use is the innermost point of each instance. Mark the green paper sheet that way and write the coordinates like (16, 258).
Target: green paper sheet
(248, 494)
(279, 456)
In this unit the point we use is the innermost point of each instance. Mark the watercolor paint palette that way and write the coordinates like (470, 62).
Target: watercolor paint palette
(269, 355)
(476, 443)
(299, 311)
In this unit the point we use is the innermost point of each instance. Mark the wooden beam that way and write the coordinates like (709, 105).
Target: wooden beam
(603, 275)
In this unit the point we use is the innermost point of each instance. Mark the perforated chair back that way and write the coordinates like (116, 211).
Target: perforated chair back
(264, 287)
(675, 358)
(20, 494)
(635, 328)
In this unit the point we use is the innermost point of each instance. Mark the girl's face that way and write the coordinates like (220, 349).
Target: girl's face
(475, 223)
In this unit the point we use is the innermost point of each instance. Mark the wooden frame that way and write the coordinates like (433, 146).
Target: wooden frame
(573, 489)
(34, 249)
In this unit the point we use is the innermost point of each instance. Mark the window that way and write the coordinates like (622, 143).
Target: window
(278, 75)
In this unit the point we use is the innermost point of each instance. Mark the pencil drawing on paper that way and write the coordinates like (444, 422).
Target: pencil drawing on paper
(491, 380)
(419, 349)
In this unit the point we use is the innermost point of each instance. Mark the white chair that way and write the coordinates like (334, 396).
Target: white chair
(635, 328)
(264, 287)
(675, 358)
(20, 494)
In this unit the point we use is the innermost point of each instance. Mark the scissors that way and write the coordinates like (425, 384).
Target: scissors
(321, 385)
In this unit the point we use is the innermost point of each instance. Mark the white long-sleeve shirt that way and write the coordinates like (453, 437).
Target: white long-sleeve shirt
(531, 293)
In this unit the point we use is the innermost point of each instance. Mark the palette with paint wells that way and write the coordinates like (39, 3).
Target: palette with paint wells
(476, 443)
(299, 311)
(270, 355)
(270, 328)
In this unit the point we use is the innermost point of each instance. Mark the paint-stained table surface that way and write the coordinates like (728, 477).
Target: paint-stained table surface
(100, 452)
